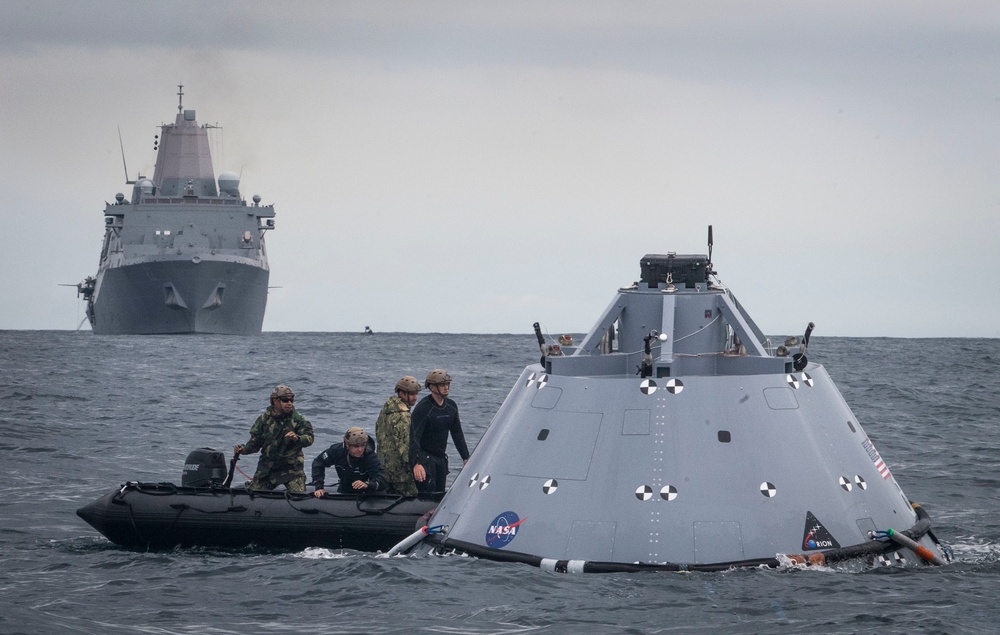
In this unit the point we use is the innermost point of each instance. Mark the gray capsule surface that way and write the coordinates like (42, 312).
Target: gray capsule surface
(675, 436)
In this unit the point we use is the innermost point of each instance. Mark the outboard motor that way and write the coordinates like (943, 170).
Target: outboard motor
(204, 467)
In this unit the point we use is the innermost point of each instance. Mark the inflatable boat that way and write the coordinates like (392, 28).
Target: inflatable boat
(205, 511)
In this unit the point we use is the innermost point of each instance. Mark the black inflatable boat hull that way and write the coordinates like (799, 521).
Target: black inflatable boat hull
(163, 516)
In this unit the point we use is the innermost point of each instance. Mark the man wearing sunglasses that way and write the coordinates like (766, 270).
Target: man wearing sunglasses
(279, 434)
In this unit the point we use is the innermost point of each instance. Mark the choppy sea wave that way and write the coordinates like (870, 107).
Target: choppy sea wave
(84, 413)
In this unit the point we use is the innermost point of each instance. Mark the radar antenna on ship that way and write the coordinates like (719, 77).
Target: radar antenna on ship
(708, 266)
(122, 145)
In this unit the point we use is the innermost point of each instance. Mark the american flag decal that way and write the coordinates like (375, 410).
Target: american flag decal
(880, 465)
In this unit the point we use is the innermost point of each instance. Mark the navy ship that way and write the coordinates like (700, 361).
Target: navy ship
(183, 253)
(677, 436)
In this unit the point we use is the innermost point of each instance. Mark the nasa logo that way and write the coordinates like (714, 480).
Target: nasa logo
(503, 529)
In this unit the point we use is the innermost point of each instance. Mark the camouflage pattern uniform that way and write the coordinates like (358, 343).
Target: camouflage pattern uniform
(281, 460)
(393, 432)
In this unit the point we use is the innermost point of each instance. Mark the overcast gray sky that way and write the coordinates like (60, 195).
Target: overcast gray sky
(476, 167)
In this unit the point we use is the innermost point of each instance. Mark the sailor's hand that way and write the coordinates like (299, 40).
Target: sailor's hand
(419, 474)
(291, 435)
(319, 493)
(238, 448)
(359, 484)
(465, 462)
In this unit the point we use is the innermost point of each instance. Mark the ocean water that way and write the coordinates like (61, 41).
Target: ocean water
(83, 413)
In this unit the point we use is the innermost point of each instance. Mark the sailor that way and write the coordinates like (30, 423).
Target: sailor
(356, 462)
(432, 419)
(279, 434)
(393, 432)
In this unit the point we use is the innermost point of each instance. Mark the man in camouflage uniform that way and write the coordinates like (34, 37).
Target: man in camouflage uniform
(279, 434)
(393, 431)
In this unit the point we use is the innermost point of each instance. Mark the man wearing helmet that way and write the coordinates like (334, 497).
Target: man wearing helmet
(432, 419)
(356, 463)
(279, 434)
(393, 432)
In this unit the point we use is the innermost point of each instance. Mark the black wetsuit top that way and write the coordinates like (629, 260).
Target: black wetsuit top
(365, 468)
(429, 428)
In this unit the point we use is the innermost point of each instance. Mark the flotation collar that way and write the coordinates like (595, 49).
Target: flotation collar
(879, 545)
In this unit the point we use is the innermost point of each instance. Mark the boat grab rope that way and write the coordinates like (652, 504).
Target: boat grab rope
(360, 499)
(312, 510)
(118, 500)
(291, 498)
(245, 475)
(153, 489)
(378, 512)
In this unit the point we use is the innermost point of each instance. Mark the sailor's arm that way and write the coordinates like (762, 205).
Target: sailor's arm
(319, 465)
(250, 447)
(418, 419)
(376, 475)
(458, 438)
(256, 441)
(303, 430)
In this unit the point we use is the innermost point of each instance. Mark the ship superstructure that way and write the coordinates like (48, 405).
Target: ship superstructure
(185, 253)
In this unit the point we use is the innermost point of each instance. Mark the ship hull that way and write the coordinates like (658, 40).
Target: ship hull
(193, 295)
